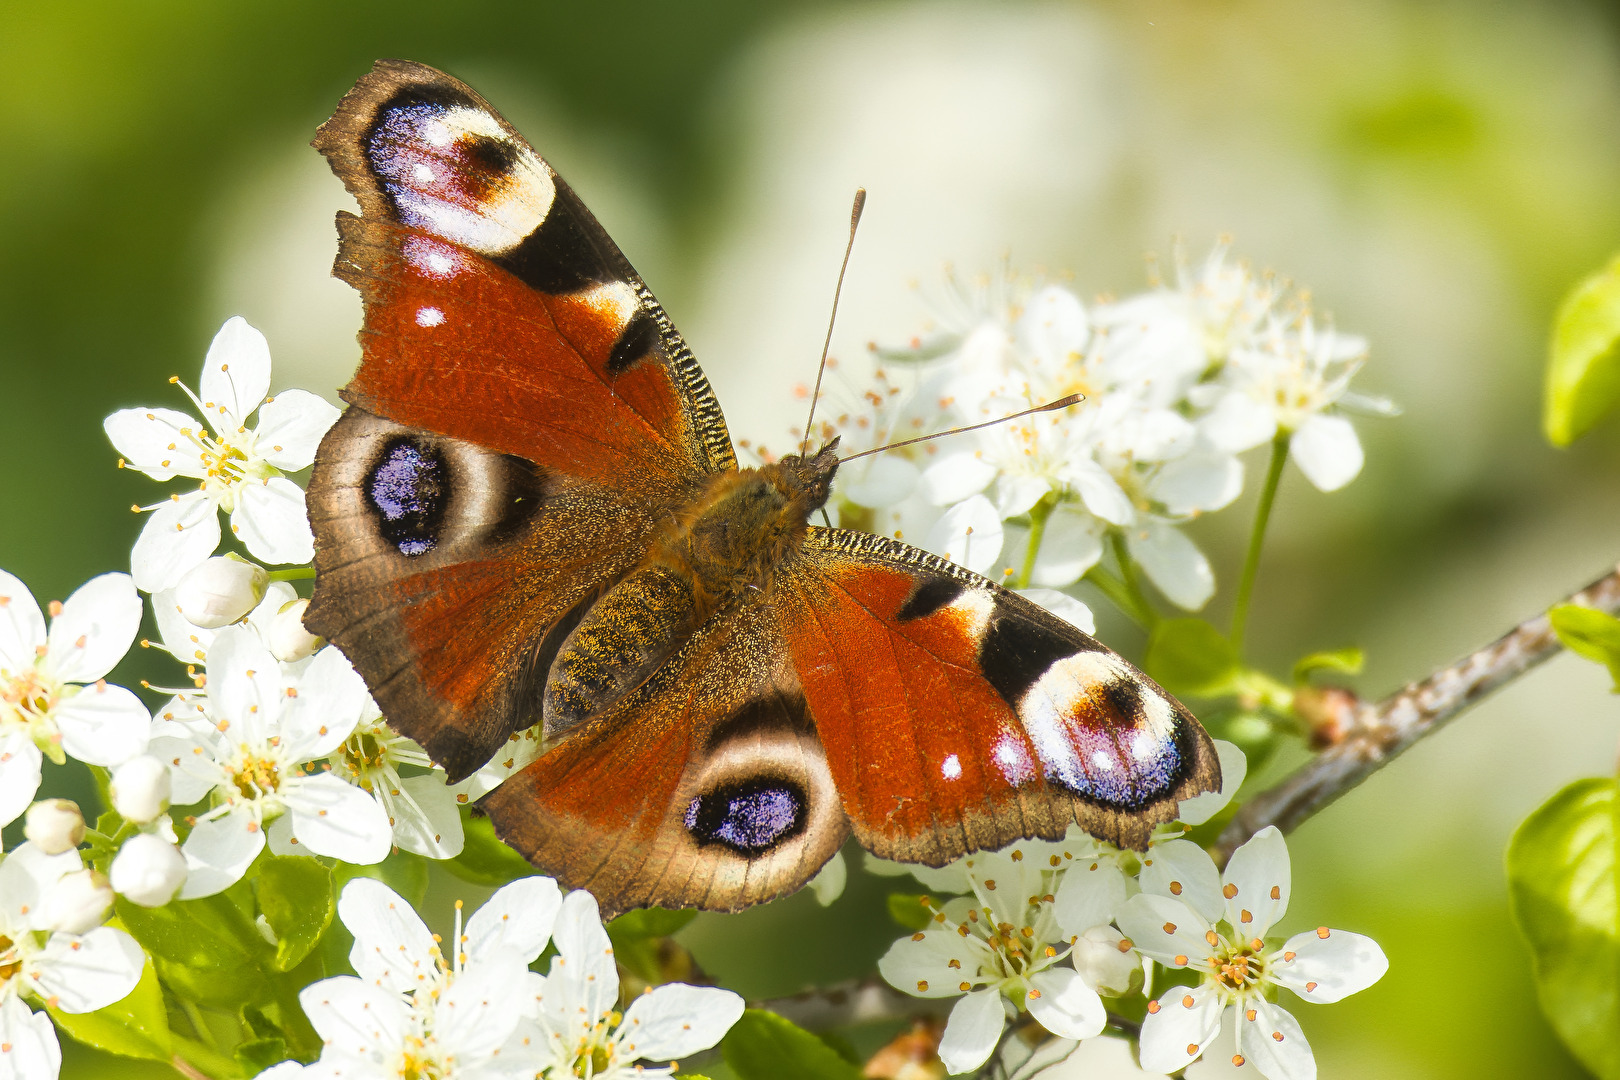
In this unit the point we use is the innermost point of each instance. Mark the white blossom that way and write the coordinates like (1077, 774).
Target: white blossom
(220, 591)
(46, 710)
(998, 949)
(78, 902)
(76, 973)
(421, 808)
(54, 825)
(140, 789)
(239, 467)
(574, 1013)
(416, 1012)
(263, 726)
(285, 634)
(148, 870)
(1240, 967)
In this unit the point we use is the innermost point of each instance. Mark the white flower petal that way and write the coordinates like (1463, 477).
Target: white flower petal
(426, 818)
(1327, 969)
(1071, 545)
(187, 642)
(1167, 930)
(271, 521)
(235, 374)
(969, 534)
(218, 853)
(392, 947)
(22, 625)
(356, 1018)
(885, 480)
(828, 884)
(1273, 1042)
(246, 687)
(585, 968)
(1091, 894)
(1060, 999)
(1182, 870)
(1105, 960)
(1197, 482)
(1017, 493)
(1234, 768)
(1153, 435)
(1256, 881)
(1054, 328)
(332, 699)
(191, 774)
(479, 1009)
(103, 725)
(179, 535)
(91, 971)
(516, 921)
(1327, 451)
(291, 426)
(20, 762)
(1099, 491)
(31, 1050)
(1064, 606)
(337, 820)
(676, 1021)
(1179, 1025)
(97, 626)
(1238, 422)
(922, 966)
(26, 875)
(955, 477)
(1173, 563)
(972, 1031)
(155, 442)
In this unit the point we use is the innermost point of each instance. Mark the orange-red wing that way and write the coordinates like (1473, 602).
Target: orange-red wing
(958, 716)
(523, 415)
(704, 788)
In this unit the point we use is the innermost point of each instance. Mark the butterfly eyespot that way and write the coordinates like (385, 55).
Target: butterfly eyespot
(408, 489)
(751, 817)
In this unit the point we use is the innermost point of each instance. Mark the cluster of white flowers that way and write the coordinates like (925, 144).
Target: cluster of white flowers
(1053, 928)
(1178, 381)
(475, 1011)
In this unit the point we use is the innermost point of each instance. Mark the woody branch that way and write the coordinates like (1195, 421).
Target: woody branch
(1380, 731)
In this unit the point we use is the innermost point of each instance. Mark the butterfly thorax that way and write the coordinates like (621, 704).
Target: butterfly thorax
(719, 552)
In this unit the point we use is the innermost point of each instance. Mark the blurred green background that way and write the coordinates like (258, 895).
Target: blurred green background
(1437, 173)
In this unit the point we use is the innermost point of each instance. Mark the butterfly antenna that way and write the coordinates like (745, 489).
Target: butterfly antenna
(1050, 406)
(854, 220)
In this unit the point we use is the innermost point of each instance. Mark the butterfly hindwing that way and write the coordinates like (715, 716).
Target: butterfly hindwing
(959, 716)
(707, 787)
(523, 414)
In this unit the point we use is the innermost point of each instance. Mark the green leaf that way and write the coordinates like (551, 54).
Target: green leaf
(1347, 661)
(1189, 656)
(1589, 633)
(259, 1054)
(907, 910)
(648, 923)
(137, 1026)
(296, 898)
(1561, 865)
(223, 988)
(484, 860)
(764, 1046)
(1583, 368)
(208, 934)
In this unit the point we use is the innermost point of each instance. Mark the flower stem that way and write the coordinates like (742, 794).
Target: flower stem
(1133, 584)
(1120, 596)
(1262, 514)
(295, 573)
(1037, 529)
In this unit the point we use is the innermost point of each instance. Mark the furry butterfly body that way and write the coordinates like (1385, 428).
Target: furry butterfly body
(531, 513)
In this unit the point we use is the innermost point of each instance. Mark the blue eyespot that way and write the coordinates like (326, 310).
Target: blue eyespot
(751, 818)
(409, 489)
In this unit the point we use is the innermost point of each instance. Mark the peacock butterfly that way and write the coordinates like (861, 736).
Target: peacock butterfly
(531, 512)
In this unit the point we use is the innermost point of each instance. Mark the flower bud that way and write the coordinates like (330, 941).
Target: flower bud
(220, 591)
(140, 789)
(79, 902)
(148, 870)
(54, 825)
(1105, 966)
(286, 636)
